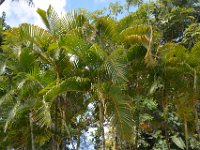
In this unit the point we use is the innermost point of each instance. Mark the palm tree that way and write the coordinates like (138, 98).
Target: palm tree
(54, 61)
(25, 85)
(178, 62)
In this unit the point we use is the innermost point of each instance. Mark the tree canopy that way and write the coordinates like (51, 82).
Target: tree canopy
(133, 81)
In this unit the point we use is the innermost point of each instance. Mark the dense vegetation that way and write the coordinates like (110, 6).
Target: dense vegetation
(134, 80)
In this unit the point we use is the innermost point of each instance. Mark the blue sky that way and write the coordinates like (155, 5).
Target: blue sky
(90, 4)
(18, 13)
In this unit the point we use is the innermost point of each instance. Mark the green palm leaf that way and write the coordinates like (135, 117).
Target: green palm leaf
(142, 35)
(12, 115)
(36, 35)
(121, 111)
(74, 84)
(41, 114)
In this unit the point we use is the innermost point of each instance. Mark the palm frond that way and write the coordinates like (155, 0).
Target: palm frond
(143, 35)
(73, 84)
(95, 51)
(12, 115)
(193, 59)
(73, 22)
(116, 69)
(7, 97)
(125, 22)
(106, 26)
(120, 109)
(36, 35)
(41, 114)
(51, 20)
(173, 54)
(26, 60)
(54, 21)
(43, 16)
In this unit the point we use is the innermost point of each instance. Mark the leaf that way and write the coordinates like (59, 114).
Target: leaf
(107, 26)
(142, 35)
(42, 114)
(43, 16)
(155, 86)
(72, 23)
(12, 115)
(178, 141)
(8, 96)
(35, 34)
(73, 84)
(120, 110)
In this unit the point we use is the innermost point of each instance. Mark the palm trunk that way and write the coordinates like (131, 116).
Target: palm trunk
(186, 133)
(31, 127)
(137, 122)
(138, 113)
(101, 126)
(197, 123)
(195, 109)
(167, 138)
(63, 130)
(78, 141)
(55, 143)
(166, 126)
(165, 112)
(116, 144)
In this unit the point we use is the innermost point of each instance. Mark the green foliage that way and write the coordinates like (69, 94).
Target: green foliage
(137, 76)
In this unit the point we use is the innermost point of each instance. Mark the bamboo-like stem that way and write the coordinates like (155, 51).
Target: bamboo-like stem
(116, 144)
(78, 140)
(101, 121)
(186, 133)
(137, 122)
(63, 129)
(195, 108)
(31, 127)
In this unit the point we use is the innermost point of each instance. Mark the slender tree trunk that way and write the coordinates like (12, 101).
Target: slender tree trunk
(166, 126)
(101, 126)
(186, 133)
(197, 123)
(78, 141)
(31, 127)
(71, 139)
(116, 144)
(137, 123)
(138, 113)
(55, 143)
(165, 113)
(167, 138)
(63, 130)
(195, 108)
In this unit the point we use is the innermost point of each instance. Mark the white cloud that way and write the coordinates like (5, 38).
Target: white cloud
(20, 12)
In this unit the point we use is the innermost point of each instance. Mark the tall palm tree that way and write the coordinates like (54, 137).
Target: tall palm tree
(55, 61)
(25, 85)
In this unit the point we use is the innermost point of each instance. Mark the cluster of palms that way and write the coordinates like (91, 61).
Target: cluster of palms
(81, 73)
